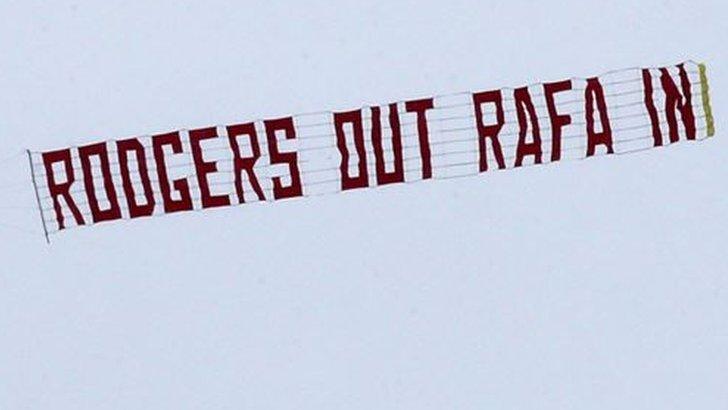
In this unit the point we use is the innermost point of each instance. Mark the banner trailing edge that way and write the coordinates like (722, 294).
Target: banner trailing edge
(705, 94)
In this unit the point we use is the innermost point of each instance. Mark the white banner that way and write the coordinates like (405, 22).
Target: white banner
(445, 136)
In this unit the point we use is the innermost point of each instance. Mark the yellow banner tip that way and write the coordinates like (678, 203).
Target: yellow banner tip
(705, 94)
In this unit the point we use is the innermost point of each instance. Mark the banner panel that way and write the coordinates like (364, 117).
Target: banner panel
(439, 137)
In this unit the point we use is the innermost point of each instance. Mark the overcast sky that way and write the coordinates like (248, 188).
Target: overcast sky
(595, 284)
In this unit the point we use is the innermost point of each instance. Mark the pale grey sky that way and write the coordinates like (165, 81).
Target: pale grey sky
(595, 284)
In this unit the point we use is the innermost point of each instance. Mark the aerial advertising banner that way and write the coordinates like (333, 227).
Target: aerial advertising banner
(437, 137)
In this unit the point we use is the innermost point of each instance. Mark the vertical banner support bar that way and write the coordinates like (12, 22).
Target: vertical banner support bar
(37, 197)
(705, 93)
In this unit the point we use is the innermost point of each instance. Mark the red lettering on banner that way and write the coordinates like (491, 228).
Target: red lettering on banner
(384, 177)
(557, 121)
(420, 107)
(486, 132)
(288, 158)
(180, 185)
(369, 132)
(594, 91)
(97, 214)
(354, 118)
(58, 190)
(123, 148)
(204, 168)
(523, 100)
(246, 164)
(676, 102)
(650, 106)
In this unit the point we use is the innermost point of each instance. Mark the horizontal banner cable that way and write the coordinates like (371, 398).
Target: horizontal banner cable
(534, 84)
(615, 118)
(694, 81)
(622, 112)
(152, 166)
(230, 183)
(330, 135)
(338, 190)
